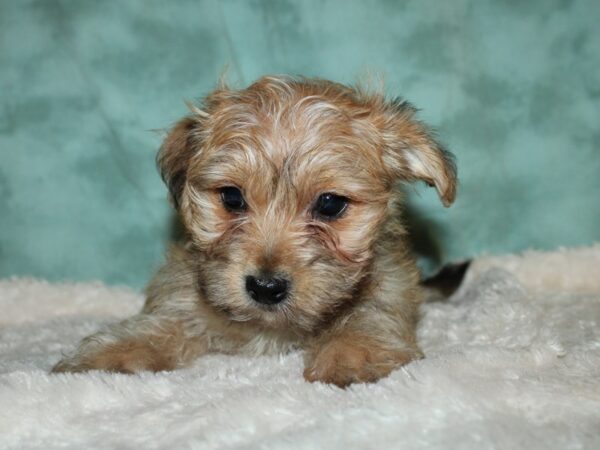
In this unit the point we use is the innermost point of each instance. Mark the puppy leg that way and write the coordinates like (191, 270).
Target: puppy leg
(367, 344)
(142, 342)
(355, 357)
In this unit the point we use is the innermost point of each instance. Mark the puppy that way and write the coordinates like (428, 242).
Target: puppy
(288, 191)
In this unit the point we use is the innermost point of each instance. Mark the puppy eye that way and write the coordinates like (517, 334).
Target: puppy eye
(330, 206)
(232, 199)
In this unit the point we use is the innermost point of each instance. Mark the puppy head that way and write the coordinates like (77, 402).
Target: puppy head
(285, 188)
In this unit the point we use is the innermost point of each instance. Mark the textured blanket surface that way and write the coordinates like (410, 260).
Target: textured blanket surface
(513, 361)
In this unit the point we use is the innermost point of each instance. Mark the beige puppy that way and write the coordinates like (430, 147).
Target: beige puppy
(288, 191)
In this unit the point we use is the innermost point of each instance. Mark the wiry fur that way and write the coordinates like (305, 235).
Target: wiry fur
(354, 293)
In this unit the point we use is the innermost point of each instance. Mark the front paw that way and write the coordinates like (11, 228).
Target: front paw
(346, 361)
(75, 365)
(124, 357)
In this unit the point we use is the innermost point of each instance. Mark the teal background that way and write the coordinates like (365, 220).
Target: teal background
(513, 88)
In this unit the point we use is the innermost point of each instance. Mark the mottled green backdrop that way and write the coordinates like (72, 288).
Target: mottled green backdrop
(513, 88)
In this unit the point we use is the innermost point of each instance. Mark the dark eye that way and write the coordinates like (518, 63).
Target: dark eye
(330, 206)
(233, 199)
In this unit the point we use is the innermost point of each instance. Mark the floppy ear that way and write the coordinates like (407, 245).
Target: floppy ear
(182, 142)
(412, 153)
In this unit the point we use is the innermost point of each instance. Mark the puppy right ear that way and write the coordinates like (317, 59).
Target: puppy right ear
(412, 152)
(182, 142)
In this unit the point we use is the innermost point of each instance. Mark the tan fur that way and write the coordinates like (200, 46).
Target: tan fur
(354, 295)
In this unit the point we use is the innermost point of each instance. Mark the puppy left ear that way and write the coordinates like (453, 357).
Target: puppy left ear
(412, 153)
(177, 150)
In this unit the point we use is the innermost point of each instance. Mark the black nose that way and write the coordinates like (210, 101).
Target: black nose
(267, 290)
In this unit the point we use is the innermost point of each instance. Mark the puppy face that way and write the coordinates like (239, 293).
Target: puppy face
(285, 188)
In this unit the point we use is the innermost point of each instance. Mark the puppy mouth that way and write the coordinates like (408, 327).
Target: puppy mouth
(273, 309)
(269, 315)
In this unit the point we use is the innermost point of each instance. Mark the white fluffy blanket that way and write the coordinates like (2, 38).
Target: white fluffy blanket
(513, 361)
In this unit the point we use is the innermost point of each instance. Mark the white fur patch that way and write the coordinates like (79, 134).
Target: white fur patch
(509, 365)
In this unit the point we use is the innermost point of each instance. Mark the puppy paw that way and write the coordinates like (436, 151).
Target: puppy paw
(123, 357)
(75, 365)
(342, 362)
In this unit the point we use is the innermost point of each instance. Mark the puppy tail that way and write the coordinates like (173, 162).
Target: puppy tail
(440, 286)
